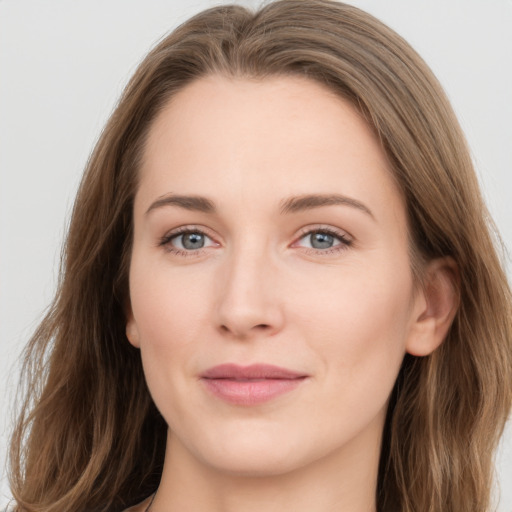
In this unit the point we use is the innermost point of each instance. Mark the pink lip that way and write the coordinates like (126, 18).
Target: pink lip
(250, 385)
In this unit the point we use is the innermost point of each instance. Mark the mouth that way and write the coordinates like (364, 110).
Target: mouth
(250, 385)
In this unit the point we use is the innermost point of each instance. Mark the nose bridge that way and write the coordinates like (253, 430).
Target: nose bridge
(248, 298)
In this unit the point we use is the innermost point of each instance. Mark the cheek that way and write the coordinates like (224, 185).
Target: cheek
(169, 312)
(358, 320)
(165, 303)
(357, 328)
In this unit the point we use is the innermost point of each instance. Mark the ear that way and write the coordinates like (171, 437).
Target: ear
(132, 331)
(435, 306)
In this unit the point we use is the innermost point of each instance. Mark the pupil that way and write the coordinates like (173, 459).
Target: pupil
(321, 240)
(193, 241)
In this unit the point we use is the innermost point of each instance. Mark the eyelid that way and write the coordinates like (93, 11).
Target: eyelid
(306, 230)
(345, 239)
(342, 236)
(165, 240)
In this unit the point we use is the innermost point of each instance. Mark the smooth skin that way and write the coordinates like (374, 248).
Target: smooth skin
(323, 287)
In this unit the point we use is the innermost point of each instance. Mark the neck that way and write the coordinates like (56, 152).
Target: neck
(345, 480)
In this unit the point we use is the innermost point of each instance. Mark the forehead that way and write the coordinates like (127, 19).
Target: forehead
(250, 141)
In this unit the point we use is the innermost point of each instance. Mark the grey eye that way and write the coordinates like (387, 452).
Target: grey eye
(192, 241)
(321, 240)
(187, 240)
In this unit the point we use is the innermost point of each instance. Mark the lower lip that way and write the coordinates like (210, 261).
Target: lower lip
(251, 392)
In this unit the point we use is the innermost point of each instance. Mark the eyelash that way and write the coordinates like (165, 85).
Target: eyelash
(165, 241)
(344, 240)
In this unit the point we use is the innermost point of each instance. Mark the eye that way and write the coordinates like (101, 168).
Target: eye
(186, 240)
(324, 240)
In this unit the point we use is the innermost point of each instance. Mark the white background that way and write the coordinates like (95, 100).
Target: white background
(63, 64)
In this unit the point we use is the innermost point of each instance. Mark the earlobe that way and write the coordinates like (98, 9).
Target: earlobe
(132, 332)
(435, 308)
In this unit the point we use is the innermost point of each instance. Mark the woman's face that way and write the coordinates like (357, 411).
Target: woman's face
(268, 231)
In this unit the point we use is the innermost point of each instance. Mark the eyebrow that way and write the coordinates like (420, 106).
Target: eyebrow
(290, 205)
(307, 202)
(196, 203)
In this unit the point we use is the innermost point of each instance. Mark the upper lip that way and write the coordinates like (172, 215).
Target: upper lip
(253, 371)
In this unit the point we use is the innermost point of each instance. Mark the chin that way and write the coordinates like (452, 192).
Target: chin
(256, 454)
(253, 465)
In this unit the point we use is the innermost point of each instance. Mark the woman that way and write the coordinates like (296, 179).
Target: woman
(279, 287)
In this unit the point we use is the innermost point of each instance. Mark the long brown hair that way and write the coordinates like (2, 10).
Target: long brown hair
(89, 436)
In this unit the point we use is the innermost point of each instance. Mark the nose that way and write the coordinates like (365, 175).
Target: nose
(249, 297)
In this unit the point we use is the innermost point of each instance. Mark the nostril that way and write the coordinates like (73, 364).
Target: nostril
(233, 330)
